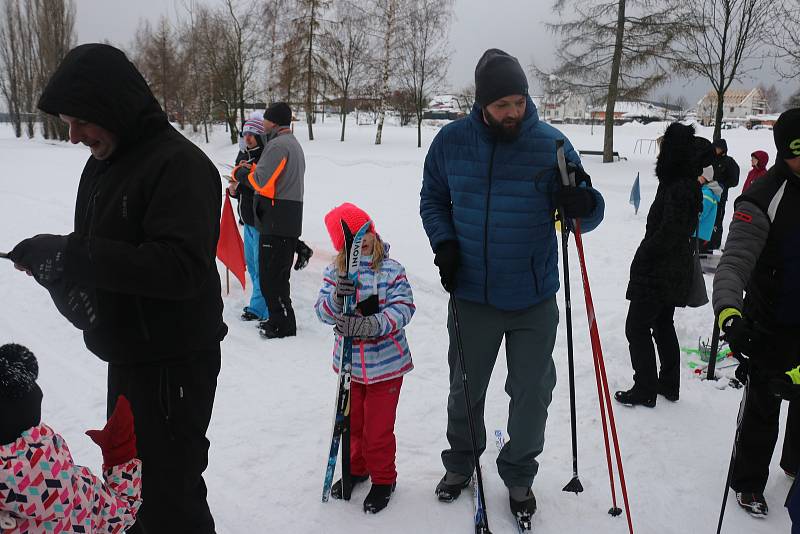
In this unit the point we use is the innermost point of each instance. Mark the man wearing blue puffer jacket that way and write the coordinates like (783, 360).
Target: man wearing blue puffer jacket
(489, 192)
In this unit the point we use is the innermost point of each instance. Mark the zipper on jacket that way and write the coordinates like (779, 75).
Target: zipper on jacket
(486, 229)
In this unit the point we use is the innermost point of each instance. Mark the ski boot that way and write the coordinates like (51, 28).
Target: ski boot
(378, 497)
(634, 397)
(355, 480)
(523, 506)
(449, 488)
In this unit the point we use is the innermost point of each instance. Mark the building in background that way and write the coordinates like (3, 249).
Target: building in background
(739, 106)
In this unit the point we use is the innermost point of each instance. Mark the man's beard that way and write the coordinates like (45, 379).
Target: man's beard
(503, 131)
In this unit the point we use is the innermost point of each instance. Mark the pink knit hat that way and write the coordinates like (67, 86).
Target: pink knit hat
(352, 215)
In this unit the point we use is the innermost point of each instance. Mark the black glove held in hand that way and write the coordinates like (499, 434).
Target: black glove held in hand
(345, 287)
(741, 337)
(448, 260)
(355, 326)
(42, 255)
(578, 202)
(784, 388)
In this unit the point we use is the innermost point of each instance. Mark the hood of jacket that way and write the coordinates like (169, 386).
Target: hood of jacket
(97, 83)
(763, 159)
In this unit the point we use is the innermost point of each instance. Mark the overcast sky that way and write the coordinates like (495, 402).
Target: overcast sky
(512, 25)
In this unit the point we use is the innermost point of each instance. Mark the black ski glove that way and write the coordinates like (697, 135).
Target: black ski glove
(77, 304)
(356, 326)
(742, 371)
(578, 202)
(42, 256)
(448, 259)
(345, 287)
(741, 336)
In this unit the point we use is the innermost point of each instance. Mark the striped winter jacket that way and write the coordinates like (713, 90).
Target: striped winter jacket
(387, 356)
(42, 491)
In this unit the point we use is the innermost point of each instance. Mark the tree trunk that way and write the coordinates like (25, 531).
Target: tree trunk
(344, 113)
(309, 100)
(720, 111)
(387, 44)
(419, 131)
(611, 99)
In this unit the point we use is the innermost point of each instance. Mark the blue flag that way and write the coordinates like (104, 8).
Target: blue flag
(636, 195)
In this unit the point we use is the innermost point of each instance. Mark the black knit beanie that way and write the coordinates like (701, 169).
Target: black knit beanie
(497, 75)
(20, 396)
(787, 134)
(721, 144)
(280, 113)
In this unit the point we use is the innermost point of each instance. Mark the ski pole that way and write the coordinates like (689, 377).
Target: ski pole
(712, 355)
(733, 454)
(574, 485)
(481, 520)
(600, 371)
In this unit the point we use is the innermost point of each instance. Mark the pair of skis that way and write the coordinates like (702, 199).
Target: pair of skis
(341, 417)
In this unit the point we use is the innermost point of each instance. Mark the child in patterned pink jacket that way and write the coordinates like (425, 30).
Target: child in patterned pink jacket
(41, 489)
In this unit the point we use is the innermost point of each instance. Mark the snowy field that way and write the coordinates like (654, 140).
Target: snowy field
(271, 425)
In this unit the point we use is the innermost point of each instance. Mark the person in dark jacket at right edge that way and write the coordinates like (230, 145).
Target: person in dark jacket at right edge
(138, 274)
(726, 174)
(762, 259)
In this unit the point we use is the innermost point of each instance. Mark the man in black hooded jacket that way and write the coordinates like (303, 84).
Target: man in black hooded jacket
(138, 273)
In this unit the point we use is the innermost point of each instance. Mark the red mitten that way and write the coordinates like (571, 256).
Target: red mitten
(117, 440)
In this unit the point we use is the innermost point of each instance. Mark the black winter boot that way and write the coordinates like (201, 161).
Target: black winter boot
(634, 397)
(449, 488)
(355, 480)
(378, 497)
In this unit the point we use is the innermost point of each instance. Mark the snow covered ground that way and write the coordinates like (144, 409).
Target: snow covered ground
(271, 428)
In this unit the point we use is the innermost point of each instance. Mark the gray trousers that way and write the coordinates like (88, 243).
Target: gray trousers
(530, 336)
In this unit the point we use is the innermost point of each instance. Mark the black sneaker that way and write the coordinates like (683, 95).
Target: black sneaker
(247, 315)
(304, 254)
(378, 497)
(523, 506)
(754, 503)
(449, 488)
(668, 394)
(632, 397)
(355, 480)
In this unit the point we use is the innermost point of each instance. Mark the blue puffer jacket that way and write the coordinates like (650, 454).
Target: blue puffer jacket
(498, 200)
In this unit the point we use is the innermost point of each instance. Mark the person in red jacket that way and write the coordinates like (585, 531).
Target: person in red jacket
(759, 159)
(41, 489)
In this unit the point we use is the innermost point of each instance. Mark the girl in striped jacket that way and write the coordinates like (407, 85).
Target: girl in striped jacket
(380, 351)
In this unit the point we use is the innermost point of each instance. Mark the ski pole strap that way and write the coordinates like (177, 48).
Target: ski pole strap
(726, 314)
(794, 375)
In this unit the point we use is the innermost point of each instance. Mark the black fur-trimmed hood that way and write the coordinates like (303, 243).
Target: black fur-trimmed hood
(682, 155)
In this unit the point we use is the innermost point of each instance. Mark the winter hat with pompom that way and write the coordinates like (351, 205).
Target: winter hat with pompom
(20, 396)
(352, 215)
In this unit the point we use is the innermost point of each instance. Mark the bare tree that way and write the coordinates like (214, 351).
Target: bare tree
(793, 101)
(682, 105)
(622, 48)
(466, 98)
(423, 64)
(729, 32)
(784, 39)
(386, 12)
(772, 96)
(345, 44)
(55, 36)
(10, 55)
(157, 57)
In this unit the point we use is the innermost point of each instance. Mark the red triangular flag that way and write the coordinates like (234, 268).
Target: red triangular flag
(230, 249)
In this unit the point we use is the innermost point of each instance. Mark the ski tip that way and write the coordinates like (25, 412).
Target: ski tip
(615, 511)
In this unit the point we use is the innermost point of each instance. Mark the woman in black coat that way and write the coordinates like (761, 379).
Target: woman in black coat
(661, 271)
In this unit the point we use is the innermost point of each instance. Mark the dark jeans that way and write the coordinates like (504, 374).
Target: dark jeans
(647, 321)
(171, 403)
(759, 436)
(276, 256)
